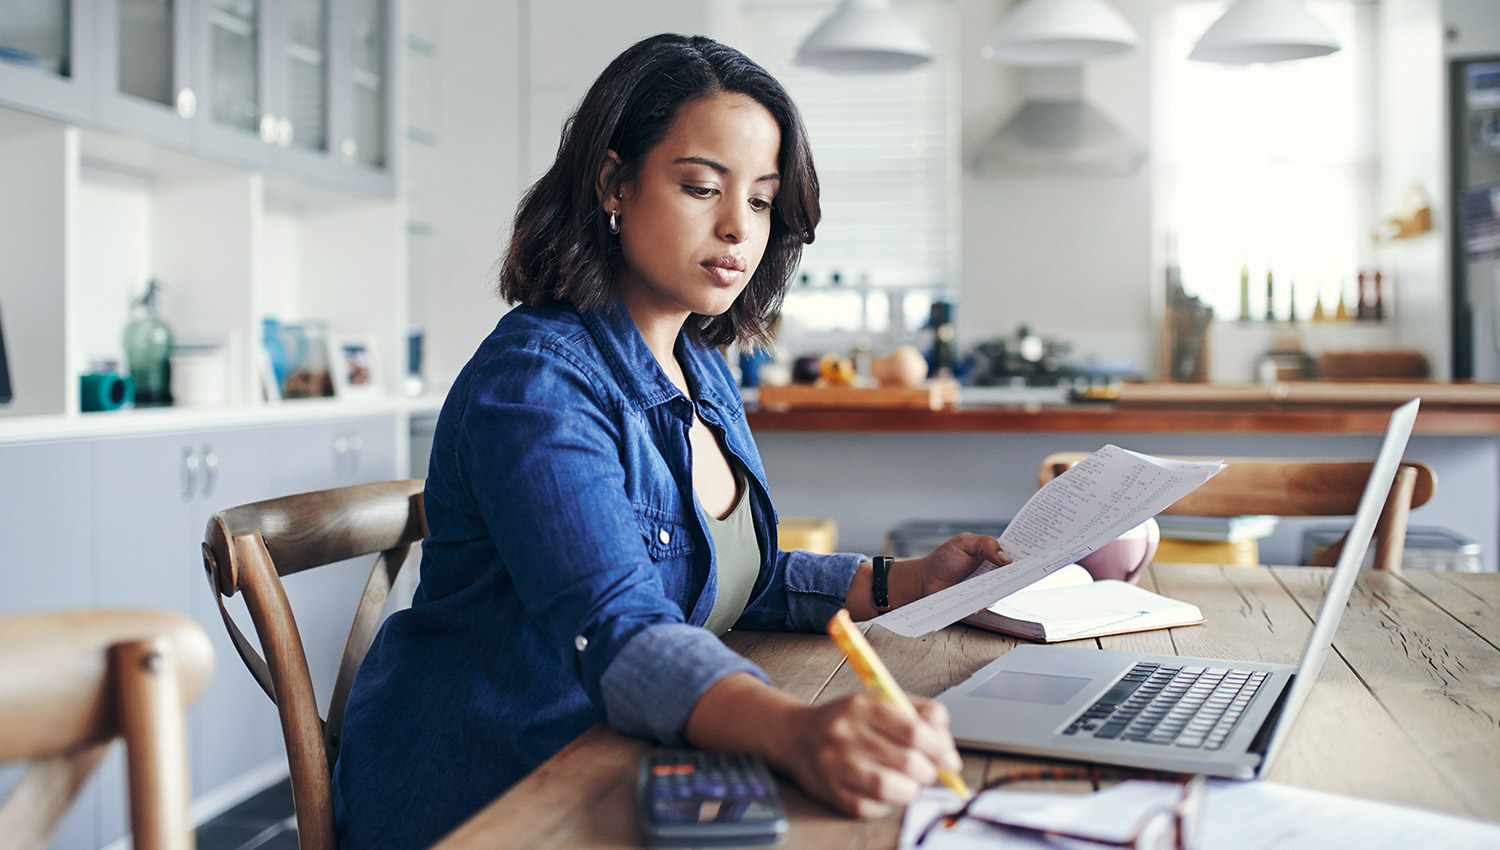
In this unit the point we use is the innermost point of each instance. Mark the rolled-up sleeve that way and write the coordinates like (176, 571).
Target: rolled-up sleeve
(816, 586)
(653, 684)
(806, 590)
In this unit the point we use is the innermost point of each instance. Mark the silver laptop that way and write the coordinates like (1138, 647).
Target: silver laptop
(1165, 712)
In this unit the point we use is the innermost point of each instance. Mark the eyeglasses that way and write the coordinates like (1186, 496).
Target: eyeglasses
(1165, 827)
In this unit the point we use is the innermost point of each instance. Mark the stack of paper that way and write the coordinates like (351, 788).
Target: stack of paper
(1230, 529)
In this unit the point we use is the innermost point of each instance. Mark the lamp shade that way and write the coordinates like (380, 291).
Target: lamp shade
(864, 37)
(1059, 32)
(1264, 31)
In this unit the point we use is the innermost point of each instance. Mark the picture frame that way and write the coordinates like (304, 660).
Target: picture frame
(355, 367)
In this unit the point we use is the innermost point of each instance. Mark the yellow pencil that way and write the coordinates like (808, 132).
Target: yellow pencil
(878, 679)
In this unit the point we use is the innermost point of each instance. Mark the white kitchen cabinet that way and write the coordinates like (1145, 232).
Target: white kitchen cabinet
(144, 86)
(46, 555)
(117, 521)
(314, 457)
(291, 215)
(48, 65)
(154, 496)
(92, 218)
(298, 87)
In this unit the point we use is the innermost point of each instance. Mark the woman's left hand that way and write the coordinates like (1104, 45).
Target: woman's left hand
(913, 578)
(956, 560)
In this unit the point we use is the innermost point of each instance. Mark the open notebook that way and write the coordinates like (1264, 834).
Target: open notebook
(1069, 604)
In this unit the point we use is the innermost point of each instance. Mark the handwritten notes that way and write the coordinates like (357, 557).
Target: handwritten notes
(1106, 494)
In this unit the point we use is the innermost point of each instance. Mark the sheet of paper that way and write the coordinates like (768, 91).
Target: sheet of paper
(1236, 816)
(1105, 495)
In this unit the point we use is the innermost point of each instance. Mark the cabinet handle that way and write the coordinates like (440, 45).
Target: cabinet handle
(268, 128)
(284, 132)
(349, 150)
(210, 470)
(187, 102)
(189, 473)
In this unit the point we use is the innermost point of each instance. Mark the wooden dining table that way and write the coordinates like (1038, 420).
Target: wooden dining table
(1406, 709)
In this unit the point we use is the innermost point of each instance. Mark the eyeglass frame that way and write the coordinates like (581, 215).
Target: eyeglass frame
(1188, 805)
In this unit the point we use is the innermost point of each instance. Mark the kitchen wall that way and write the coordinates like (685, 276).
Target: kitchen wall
(511, 71)
(1073, 257)
(1069, 256)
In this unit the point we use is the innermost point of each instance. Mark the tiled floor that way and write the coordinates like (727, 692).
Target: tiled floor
(263, 822)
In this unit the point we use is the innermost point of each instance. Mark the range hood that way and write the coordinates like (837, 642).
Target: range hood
(1055, 131)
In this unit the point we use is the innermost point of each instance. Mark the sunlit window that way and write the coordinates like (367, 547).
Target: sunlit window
(1270, 167)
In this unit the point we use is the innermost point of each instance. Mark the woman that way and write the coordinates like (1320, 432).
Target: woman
(598, 510)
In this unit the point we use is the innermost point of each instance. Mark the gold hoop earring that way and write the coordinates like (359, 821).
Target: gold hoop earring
(614, 221)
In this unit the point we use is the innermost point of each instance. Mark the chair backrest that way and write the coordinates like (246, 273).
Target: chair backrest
(73, 681)
(1300, 488)
(248, 549)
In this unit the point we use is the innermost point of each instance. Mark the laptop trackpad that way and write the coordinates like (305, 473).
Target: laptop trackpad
(1030, 687)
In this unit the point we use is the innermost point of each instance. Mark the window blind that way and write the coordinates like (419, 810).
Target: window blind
(886, 148)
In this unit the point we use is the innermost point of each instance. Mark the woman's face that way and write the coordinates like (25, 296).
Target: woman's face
(695, 219)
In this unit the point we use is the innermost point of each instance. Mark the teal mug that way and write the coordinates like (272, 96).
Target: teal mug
(105, 391)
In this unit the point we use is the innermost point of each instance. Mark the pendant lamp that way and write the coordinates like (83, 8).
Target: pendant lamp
(1060, 32)
(1264, 31)
(864, 37)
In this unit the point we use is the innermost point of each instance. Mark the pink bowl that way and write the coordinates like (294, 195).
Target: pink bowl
(1124, 557)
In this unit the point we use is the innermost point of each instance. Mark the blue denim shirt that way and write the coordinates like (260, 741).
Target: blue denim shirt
(566, 579)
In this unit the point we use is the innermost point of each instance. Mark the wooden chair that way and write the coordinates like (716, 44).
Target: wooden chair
(1300, 488)
(248, 549)
(73, 681)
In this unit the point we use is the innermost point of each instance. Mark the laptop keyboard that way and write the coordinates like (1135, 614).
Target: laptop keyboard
(1183, 706)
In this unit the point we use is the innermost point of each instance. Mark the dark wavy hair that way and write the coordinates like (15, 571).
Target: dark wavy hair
(561, 250)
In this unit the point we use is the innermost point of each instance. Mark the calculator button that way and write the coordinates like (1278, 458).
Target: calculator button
(710, 788)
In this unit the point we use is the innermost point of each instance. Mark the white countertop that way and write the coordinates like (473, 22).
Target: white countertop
(128, 422)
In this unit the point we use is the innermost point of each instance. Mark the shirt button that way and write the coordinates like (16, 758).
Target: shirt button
(664, 536)
(580, 643)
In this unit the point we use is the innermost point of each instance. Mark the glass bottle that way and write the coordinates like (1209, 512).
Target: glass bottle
(1270, 298)
(1245, 292)
(148, 351)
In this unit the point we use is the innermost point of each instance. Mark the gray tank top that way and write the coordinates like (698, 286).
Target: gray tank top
(736, 559)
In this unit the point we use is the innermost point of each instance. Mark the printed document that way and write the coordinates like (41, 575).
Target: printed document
(1108, 493)
(1236, 815)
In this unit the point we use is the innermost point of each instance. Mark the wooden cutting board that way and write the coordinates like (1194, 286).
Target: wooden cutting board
(933, 395)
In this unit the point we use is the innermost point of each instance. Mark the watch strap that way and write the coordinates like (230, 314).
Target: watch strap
(880, 583)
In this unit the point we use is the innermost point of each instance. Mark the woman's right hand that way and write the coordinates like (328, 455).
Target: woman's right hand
(863, 756)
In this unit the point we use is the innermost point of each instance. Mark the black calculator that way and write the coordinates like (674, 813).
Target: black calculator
(691, 798)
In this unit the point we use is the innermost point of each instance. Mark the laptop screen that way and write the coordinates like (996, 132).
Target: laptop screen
(4, 365)
(1347, 570)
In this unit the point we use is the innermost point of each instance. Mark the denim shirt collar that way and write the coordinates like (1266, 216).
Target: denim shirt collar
(640, 377)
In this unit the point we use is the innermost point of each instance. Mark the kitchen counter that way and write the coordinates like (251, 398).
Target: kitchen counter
(870, 470)
(1284, 408)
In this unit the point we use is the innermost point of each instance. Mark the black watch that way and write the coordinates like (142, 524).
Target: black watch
(880, 586)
